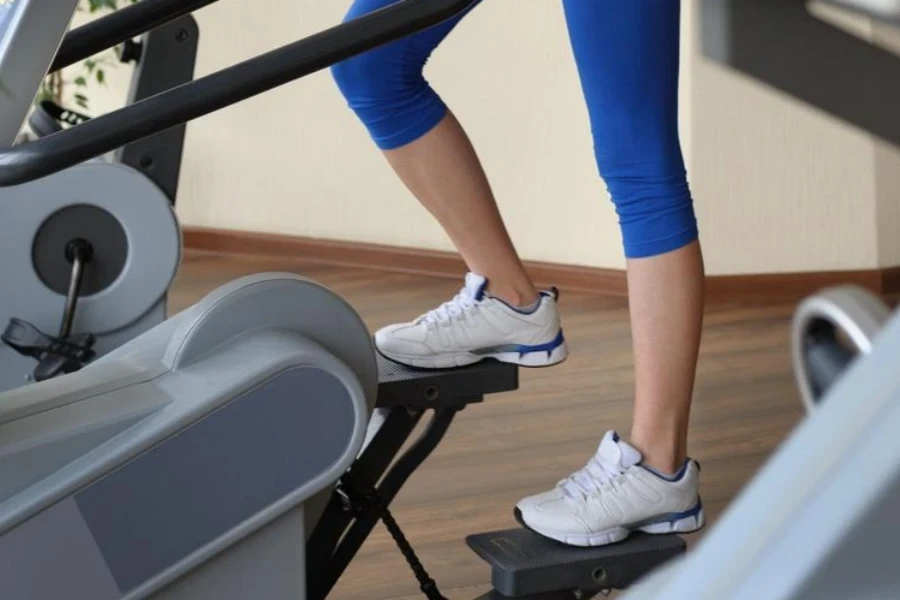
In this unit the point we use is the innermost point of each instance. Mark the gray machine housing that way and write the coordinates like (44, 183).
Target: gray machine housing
(184, 464)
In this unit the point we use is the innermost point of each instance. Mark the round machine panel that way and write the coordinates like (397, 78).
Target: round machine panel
(127, 219)
(851, 310)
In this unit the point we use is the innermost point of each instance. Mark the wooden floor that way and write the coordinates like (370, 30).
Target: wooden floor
(522, 442)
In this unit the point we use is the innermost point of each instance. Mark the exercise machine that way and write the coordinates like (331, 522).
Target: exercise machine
(88, 253)
(188, 462)
(191, 460)
(182, 464)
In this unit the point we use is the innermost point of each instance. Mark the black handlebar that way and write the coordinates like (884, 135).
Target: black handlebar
(119, 26)
(229, 86)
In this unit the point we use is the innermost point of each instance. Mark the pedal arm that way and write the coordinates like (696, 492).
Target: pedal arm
(328, 569)
(78, 252)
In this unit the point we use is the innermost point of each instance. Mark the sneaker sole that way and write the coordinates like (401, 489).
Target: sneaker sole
(684, 525)
(463, 359)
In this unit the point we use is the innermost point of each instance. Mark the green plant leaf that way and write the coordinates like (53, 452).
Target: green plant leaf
(96, 5)
(92, 66)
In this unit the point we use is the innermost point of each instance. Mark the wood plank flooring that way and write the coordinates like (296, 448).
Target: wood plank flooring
(522, 442)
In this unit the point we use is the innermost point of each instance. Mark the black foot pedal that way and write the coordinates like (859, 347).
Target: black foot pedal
(55, 356)
(524, 563)
(65, 353)
(399, 385)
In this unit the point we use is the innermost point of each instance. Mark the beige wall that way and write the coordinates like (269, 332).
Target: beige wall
(518, 97)
(887, 175)
(779, 186)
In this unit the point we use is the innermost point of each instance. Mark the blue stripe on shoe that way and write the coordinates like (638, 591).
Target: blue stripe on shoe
(523, 349)
(670, 517)
(692, 512)
(548, 347)
(668, 477)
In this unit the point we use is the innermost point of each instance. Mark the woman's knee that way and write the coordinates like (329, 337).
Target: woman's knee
(386, 88)
(656, 215)
(389, 94)
(646, 178)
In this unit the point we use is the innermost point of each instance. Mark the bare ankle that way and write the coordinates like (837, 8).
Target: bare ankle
(664, 464)
(661, 455)
(517, 296)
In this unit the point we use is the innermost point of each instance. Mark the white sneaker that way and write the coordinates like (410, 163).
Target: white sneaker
(613, 496)
(474, 326)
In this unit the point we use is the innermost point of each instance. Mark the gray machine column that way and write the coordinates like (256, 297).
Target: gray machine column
(40, 26)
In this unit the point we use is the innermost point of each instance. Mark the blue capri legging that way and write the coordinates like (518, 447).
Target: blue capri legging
(627, 55)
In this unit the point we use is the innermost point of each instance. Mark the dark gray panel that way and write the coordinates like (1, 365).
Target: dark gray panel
(167, 60)
(779, 43)
(715, 28)
(52, 556)
(217, 473)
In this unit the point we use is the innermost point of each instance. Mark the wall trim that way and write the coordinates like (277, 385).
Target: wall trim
(764, 287)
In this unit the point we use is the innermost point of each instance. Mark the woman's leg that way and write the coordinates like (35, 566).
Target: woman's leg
(628, 60)
(498, 313)
(627, 55)
(666, 295)
(431, 153)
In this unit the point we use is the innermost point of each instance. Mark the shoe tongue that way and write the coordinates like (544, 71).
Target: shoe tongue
(475, 285)
(616, 451)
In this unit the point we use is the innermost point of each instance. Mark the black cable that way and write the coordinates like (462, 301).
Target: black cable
(369, 496)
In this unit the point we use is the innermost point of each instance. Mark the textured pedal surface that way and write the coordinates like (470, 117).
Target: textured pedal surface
(428, 388)
(523, 562)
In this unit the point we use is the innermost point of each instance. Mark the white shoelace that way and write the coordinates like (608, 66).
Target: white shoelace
(590, 478)
(457, 306)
